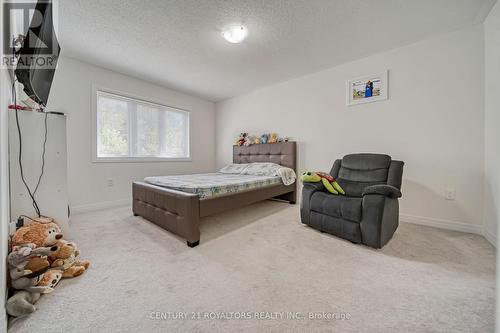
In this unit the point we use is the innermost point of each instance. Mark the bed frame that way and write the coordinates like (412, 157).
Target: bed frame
(180, 212)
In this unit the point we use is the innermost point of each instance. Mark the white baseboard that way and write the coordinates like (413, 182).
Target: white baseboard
(75, 210)
(442, 223)
(490, 237)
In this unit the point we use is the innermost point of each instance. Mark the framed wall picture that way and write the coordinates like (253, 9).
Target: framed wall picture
(369, 88)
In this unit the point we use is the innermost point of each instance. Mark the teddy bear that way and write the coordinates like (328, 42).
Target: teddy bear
(273, 138)
(29, 257)
(40, 234)
(241, 139)
(256, 140)
(328, 181)
(50, 279)
(22, 303)
(28, 268)
(237, 141)
(38, 264)
(27, 265)
(66, 259)
(264, 138)
(248, 141)
(29, 242)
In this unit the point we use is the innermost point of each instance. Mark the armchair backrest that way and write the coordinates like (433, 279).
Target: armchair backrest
(354, 172)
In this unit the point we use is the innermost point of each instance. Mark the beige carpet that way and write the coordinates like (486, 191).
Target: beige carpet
(261, 259)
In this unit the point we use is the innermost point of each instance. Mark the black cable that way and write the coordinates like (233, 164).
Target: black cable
(31, 194)
(20, 157)
(43, 157)
(29, 218)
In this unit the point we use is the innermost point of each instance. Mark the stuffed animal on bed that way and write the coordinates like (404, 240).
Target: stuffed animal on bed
(273, 138)
(264, 138)
(241, 139)
(248, 141)
(328, 181)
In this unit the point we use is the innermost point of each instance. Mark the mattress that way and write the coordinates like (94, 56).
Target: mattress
(208, 185)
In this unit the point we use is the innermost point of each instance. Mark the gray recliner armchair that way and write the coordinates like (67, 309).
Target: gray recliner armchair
(369, 212)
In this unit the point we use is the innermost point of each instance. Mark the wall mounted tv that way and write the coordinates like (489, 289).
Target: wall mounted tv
(38, 55)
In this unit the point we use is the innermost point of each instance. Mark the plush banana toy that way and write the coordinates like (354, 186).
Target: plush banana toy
(328, 181)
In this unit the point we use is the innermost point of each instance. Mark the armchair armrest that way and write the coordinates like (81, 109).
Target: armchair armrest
(385, 190)
(305, 204)
(314, 186)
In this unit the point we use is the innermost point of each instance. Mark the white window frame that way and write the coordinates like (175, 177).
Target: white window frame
(127, 159)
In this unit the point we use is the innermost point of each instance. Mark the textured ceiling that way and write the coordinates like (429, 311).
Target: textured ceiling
(177, 43)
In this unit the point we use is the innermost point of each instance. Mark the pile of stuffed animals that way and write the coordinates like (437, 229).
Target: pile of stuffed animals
(246, 140)
(39, 259)
(328, 181)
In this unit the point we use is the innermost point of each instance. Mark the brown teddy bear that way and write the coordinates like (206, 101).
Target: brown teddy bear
(27, 265)
(66, 259)
(29, 257)
(273, 138)
(37, 264)
(40, 234)
(50, 279)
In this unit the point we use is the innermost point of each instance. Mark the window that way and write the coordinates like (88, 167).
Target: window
(132, 129)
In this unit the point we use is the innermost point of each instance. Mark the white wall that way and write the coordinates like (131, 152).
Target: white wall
(433, 121)
(492, 123)
(71, 93)
(4, 188)
(492, 135)
(5, 95)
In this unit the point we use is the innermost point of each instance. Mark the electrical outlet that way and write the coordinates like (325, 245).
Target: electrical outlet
(110, 182)
(449, 194)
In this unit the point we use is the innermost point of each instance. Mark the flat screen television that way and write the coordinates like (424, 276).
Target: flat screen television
(37, 58)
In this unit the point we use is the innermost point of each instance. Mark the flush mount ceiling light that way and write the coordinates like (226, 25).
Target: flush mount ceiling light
(235, 33)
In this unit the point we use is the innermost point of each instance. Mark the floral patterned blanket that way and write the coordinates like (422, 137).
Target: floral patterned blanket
(208, 185)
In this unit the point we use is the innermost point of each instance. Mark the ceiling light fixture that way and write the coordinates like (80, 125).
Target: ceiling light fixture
(235, 33)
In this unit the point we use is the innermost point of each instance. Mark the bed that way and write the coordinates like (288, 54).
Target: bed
(179, 207)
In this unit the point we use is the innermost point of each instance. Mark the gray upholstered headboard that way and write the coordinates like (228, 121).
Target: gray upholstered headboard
(282, 153)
